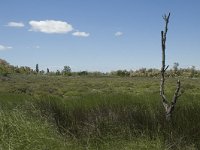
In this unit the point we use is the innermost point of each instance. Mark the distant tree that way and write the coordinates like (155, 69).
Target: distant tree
(175, 68)
(47, 70)
(123, 73)
(37, 68)
(5, 67)
(4, 62)
(82, 73)
(66, 70)
(28, 70)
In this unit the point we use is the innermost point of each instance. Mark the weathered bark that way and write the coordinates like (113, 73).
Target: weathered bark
(169, 107)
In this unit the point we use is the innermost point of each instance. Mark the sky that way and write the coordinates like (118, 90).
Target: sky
(98, 35)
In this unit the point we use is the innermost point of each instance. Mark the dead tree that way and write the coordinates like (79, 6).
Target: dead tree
(169, 107)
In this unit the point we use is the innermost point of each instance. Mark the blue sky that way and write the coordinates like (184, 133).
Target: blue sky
(98, 35)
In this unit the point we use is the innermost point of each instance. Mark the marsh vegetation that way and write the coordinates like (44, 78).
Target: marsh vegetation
(62, 112)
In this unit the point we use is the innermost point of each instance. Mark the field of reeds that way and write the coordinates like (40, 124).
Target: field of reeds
(56, 112)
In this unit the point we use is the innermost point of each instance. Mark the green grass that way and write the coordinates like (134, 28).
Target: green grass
(18, 131)
(47, 112)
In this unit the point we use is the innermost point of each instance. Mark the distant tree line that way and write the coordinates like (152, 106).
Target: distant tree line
(175, 71)
(6, 68)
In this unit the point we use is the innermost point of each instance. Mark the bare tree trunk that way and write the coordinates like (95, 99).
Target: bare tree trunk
(169, 107)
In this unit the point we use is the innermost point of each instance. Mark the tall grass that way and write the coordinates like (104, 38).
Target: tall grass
(21, 132)
(98, 113)
(104, 117)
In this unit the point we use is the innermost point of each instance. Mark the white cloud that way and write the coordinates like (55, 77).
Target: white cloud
(15, 24)
(81, 34)
(50, 26)
(118, 33)
(2, 47)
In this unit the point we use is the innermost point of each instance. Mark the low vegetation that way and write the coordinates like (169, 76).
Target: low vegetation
(105, 112)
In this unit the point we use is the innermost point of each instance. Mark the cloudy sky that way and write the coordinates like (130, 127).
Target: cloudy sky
(98, 35)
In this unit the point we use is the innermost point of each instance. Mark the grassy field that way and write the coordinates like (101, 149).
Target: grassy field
(55, 112)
